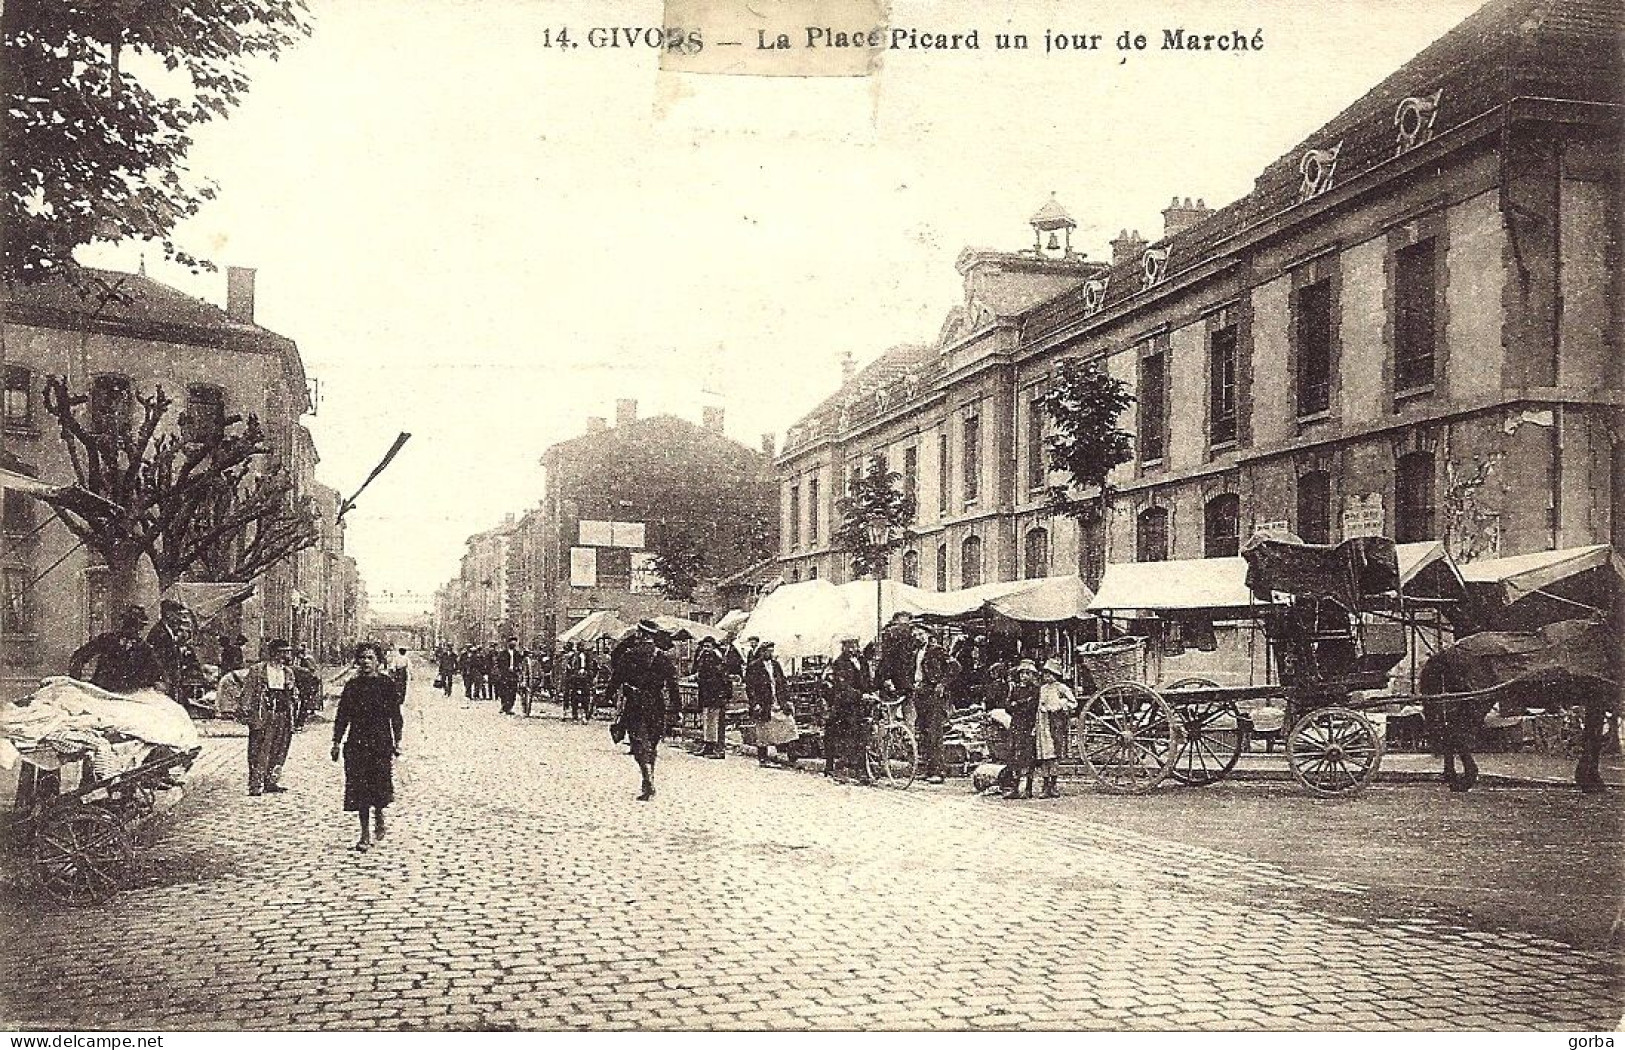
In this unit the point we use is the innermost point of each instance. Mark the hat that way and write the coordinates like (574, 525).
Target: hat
(1054, 667)
(1027, 665)
(663, 640)
(854, 639)
(648, 627)
(278, 645)
(134, 616)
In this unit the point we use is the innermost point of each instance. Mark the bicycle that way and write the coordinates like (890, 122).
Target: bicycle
(893, 755)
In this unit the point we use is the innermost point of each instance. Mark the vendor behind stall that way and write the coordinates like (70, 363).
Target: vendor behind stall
(123, 662)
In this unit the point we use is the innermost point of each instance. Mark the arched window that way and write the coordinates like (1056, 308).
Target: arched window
(1151, 535)
(1315, 507)
(1221, 531)
(1035, 560)
(942, 567)
(970, 562)
(1413, 498)
(911, 568)
(112, 404)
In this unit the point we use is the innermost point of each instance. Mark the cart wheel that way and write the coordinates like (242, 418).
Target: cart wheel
(81, 854)
(1214, 738)
(1129, 736)
(893, 756)
(1334, 751)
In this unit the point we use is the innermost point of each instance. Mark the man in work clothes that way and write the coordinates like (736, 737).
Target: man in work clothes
(898, 650)
(269, 696)
(846, 731)
(506, 668)
(930, 707)
(716, 689)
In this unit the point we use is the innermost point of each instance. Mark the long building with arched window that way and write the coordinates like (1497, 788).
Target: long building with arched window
(1409, 327)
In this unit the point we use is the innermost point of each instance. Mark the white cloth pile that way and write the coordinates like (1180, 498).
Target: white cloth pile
(65, 720)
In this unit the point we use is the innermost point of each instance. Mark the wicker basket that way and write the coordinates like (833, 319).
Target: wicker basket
(1120, 660)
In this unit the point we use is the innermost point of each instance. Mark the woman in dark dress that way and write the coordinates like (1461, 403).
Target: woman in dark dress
(368, 727)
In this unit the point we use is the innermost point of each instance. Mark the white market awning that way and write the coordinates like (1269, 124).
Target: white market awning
(1521, 575)
(1153, 587)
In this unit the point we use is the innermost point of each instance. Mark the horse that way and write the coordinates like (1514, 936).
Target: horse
(1561, 666)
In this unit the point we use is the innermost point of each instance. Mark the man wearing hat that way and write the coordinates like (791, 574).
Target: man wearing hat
(716, 689)
(124, 663)
(1056, 705)
(645, 676)
(930, 706)
(505, 671)
(846, 731)
(269, 696)
(170, 639)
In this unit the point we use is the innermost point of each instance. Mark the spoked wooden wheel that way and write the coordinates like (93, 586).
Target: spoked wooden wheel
(1334, 751)
(82, 855)
(893, 756)
(1214, 738)
(1130, 737)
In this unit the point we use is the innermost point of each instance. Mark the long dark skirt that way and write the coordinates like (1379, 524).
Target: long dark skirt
(369, 778)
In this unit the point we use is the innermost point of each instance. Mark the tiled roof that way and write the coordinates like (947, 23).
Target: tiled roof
(132, 297)
(1566, 49)
(894, 364)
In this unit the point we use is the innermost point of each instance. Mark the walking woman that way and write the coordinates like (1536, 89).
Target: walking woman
(368, 727)
(1056, 705)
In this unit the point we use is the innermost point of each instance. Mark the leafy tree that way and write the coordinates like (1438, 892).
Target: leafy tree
(202, 500)
(89, 150)
(681, 565)
(875, 505)
(1083, 407)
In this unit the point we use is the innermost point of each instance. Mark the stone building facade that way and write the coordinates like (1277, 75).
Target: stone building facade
(1411, 326)
(133, 336)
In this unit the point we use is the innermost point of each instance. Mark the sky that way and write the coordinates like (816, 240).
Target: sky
(483, 241)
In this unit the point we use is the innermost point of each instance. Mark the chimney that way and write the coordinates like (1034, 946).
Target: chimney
(769, 446)
(240, 293)
(711, 418)
(626, 412)
(1177, 217)
(849, 367)
(596, 424)
(1128, 247)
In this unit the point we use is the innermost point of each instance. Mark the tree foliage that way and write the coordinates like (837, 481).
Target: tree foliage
(201, 500)
(92, 151)
(1086, 443)
(876, 498)
(680, 564)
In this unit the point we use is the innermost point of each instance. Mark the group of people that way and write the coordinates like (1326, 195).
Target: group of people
(507, 673)
(910, 663)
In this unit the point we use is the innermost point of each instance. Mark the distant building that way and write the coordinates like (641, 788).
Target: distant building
(616, 495)
(214, 363)
(1411, 327)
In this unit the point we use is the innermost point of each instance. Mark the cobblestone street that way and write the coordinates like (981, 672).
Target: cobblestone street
(522, 887)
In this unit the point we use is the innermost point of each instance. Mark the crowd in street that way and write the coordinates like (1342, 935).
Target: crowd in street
(910, 675)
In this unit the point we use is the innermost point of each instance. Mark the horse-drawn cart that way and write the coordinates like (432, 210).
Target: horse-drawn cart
(1335, 623)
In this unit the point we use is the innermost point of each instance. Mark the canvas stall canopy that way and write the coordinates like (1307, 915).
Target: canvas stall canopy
(806, 619)
(1144, 589)
(208, 601)
(684, 629)
(601, 624)
(732, 620)
(1527, 590)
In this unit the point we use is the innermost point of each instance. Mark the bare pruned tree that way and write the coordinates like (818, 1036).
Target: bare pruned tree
(207, 501)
